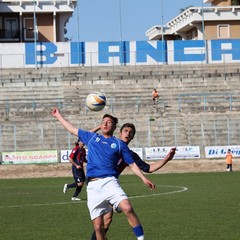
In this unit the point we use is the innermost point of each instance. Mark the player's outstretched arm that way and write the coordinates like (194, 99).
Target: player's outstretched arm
(159, 164)
(138, 172)
(68, 126)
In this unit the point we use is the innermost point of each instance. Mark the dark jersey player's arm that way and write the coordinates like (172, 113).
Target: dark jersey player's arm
(149, 168)
(140, 163)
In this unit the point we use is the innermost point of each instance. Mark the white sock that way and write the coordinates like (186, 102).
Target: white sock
(140, 238)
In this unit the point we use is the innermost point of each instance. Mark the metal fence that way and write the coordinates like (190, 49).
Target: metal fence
(134, 105)
(194, 102)
(214, 130)
(209, 101)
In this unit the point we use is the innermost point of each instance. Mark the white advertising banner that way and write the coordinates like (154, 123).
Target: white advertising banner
(28, 157)
(64, 156)
(182, 152)
(221, 151)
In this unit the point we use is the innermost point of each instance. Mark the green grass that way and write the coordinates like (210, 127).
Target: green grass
(208, 210)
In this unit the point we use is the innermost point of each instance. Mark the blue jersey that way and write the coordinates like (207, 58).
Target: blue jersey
(104, 154)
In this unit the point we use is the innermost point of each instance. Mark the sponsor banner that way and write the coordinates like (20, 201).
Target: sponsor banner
(27, 157)
(64, 156)
(139, 151)
(182, 152)
(221, 151)
(187, 152)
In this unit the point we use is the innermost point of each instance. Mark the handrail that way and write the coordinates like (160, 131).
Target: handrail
(32, 105)
(206, 98)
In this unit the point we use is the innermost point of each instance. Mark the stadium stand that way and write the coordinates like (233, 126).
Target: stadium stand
(198, 104)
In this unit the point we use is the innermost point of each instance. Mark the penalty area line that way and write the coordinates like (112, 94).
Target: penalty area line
(182, 189)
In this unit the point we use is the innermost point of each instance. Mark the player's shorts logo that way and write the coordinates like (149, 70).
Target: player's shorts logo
(113, 145)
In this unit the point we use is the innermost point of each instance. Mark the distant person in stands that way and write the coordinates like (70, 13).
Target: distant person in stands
(77, 158)
(229, 160)
(155, 96)
(127, 133)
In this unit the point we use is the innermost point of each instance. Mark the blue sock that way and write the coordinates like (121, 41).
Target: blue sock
(138, 230)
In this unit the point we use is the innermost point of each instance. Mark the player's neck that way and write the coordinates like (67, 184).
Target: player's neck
(107, 135)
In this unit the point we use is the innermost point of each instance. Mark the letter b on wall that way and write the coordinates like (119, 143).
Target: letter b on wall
(43, 54)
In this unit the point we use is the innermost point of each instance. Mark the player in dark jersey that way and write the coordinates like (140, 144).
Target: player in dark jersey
(127, 133)
(77, 158)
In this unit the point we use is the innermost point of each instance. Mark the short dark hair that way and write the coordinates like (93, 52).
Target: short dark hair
(131, 125)
(114, 119)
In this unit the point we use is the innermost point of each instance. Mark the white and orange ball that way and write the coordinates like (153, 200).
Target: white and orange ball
(96, 101)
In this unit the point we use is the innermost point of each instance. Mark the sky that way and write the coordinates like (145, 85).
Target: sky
(105, 20)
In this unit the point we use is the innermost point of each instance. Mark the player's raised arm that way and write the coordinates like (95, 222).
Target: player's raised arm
(68, 126)
(138, 172)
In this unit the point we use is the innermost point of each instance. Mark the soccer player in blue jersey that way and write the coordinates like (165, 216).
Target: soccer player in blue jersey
(104, 152)
(127, 133)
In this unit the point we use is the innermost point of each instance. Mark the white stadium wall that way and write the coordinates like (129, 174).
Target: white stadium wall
(47, 54)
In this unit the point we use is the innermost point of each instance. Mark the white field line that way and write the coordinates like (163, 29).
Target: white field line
(181, 189)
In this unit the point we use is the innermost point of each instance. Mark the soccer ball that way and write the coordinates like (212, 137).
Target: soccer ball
(96, 101)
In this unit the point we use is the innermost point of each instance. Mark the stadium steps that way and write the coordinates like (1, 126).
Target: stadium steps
(124, 84)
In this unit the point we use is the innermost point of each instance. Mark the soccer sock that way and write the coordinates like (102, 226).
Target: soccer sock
(73, 185)
(78, 190)
(94, 236)
(138, 230)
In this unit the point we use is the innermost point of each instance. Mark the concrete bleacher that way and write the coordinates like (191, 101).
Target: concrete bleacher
(29, 95)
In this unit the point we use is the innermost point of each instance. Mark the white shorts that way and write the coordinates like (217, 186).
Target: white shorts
(102, 192)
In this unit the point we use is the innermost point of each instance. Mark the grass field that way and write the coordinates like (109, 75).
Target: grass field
(196, 206)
